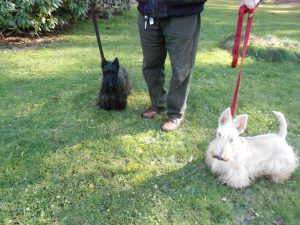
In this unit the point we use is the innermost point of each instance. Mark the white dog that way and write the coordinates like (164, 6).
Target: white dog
(239, 160)
(249, 3)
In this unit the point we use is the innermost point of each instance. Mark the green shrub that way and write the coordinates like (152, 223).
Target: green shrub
(28, 16)
(71, 11)
(35, 17)
(108, 8)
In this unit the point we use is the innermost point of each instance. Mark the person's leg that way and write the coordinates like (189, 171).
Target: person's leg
(181, 36)
(154, 52)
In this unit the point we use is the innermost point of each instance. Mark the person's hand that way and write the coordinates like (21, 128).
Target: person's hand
(249, 3)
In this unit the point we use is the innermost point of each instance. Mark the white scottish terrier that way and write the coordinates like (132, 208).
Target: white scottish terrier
(239, 160)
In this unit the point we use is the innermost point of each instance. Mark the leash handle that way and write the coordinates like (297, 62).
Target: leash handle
(235, 50)
(103, 60)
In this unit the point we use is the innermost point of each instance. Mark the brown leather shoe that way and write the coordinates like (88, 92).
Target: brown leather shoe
(151, 112)
(172, 124)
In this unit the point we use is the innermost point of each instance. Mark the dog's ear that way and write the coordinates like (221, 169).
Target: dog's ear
(240, 123)
(225, 117)
(116, 62)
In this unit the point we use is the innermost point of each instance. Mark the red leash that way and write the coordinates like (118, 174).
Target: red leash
(235, 50)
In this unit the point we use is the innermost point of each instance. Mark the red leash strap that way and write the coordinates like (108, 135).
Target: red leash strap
(235, 50)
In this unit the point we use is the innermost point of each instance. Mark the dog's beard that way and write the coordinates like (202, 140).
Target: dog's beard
(111, 86)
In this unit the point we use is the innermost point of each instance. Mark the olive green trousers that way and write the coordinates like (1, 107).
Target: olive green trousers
(178, 37)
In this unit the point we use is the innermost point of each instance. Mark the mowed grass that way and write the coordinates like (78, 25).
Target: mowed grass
(64, 161)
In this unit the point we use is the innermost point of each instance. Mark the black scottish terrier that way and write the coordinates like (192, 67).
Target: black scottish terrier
(115, 85)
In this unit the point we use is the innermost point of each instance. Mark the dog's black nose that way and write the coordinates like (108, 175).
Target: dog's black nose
(218, 157)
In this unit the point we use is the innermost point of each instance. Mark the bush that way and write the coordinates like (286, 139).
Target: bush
(35, 17)
(109, 8)
(71, 11)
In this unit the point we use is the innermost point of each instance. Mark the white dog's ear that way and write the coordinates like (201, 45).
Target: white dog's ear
(225, 117)
(240, 123)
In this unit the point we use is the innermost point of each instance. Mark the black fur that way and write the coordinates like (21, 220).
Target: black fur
(115, 86)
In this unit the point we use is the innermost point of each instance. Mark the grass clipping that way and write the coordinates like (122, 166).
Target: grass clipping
(269, 48)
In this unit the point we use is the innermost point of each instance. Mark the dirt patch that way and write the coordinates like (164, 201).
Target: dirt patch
(270, 41)
(268, 48)
(23, 42)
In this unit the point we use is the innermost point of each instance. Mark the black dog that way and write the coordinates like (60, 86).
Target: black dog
(115, 86)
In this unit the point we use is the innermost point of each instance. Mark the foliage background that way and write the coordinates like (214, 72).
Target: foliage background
(35, 17)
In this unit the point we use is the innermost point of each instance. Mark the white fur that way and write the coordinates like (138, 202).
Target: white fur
(242, 159)
(249, 3)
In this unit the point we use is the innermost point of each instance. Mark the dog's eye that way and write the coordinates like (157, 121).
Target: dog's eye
(230, 140)
(218, 134)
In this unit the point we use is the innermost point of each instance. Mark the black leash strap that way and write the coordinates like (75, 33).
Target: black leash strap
(97, 33)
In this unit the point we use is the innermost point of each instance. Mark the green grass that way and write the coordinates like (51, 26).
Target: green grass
(63, 161)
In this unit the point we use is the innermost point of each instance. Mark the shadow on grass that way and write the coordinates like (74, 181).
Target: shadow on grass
(189, 195)
(161, 199)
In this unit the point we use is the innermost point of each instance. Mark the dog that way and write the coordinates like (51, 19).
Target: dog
(239, 160)
(115, 86)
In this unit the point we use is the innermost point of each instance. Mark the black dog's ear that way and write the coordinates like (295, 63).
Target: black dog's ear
(103, 63)
(116, 62)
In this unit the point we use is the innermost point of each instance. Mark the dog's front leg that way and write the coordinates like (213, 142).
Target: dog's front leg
(236, 177)
(104, 102)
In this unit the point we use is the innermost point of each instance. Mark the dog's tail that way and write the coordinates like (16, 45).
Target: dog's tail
(283, 124)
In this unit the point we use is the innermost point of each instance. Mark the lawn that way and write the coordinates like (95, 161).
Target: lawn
(64, 161)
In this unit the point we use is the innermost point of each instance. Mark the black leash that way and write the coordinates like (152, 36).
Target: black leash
(103, 60)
